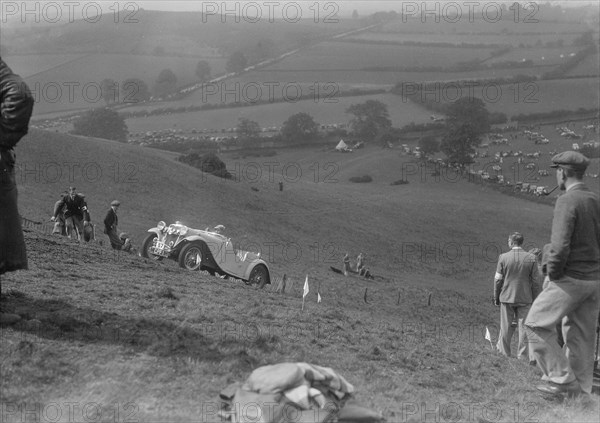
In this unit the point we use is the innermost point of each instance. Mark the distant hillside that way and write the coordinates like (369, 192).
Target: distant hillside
(447, 229)
(174, 33)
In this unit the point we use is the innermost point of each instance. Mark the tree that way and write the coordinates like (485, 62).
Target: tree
(134, 90)
(370, 118)
(101, 123)
(299, 127)
(109, 90)
(203, 70)
(469, 110)
(165, 83)
(236, 63)
(466, 120)
(247, 128)
(355, 14)
(429, 145)
(459, 144)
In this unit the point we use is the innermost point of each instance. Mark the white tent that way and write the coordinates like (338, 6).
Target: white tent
(342, 146)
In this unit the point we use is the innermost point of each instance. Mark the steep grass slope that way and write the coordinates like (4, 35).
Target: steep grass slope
(127, 337)
(437, 225)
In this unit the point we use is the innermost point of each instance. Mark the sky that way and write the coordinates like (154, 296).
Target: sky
(363, 6)
(13, 12)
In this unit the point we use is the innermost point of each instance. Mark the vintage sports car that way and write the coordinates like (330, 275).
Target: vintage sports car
(197, 249)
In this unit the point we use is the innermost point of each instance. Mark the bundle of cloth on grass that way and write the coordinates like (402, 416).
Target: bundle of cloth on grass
(293, 392)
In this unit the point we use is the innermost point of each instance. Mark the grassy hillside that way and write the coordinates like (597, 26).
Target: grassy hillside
(438, 226)
(106, 329)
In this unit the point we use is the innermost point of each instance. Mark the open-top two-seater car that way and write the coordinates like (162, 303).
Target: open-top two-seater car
(196, 249)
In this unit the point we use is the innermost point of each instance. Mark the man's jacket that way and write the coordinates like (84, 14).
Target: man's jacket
(110, 221)
(516, 277)
(575, 243)
(15, 109)
(75, 206)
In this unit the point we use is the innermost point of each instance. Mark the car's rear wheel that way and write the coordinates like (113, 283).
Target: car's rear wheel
(259, 276)
(192, 256)
(146, 248)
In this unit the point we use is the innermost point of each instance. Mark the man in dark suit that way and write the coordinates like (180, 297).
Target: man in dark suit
(76, 213)
(111, 222)
(515, 288)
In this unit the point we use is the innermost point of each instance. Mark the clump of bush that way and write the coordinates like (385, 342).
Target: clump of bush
(361, 179)
(399, 182)
(208, 163)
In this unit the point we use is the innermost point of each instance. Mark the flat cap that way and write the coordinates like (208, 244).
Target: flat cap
(570, 159)
(115, 203)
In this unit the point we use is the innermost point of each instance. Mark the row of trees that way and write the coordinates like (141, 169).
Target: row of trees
(467, 120)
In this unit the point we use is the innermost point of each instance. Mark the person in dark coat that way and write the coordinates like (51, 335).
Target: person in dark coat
(76, 213)
(16, 106)
(59, 224)
(111, 222)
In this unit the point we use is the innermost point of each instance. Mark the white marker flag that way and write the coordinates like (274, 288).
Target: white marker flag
(488, 336)
(318, 297)
(305, 293)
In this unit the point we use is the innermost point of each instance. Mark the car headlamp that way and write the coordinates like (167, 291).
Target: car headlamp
(183, 230)
(161, 225)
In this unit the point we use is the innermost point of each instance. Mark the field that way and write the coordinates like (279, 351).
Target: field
(157, 343)
(343, 56)
(32, 64)
(524, 97)
(539, 56)
(421, 36)
(324, 111)
(51, 87)
(589, 66)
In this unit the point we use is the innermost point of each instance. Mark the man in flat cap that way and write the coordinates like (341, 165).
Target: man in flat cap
(571, 292)
(111, 222)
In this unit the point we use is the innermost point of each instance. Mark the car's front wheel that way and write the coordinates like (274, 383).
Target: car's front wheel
(191, 256)
(259, 276)
(146, 248)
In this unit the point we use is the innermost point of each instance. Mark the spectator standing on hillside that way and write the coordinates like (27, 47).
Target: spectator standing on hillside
(571, 294)
(515, 287)
(76, 213)
(360, 263)
(16, 106)
(111, 222)
(59, 212)
(346, 264)
(88, 233)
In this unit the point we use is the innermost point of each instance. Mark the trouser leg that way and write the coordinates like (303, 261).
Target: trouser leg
(114, 239)
(579, 329)
(523, 350)
(557, 300)
(506, 329)
(69, 226)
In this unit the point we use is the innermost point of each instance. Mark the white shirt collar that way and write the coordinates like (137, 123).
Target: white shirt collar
(574, 185)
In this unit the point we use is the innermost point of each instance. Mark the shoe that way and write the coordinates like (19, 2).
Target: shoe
(532, 363)
(571, 389)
